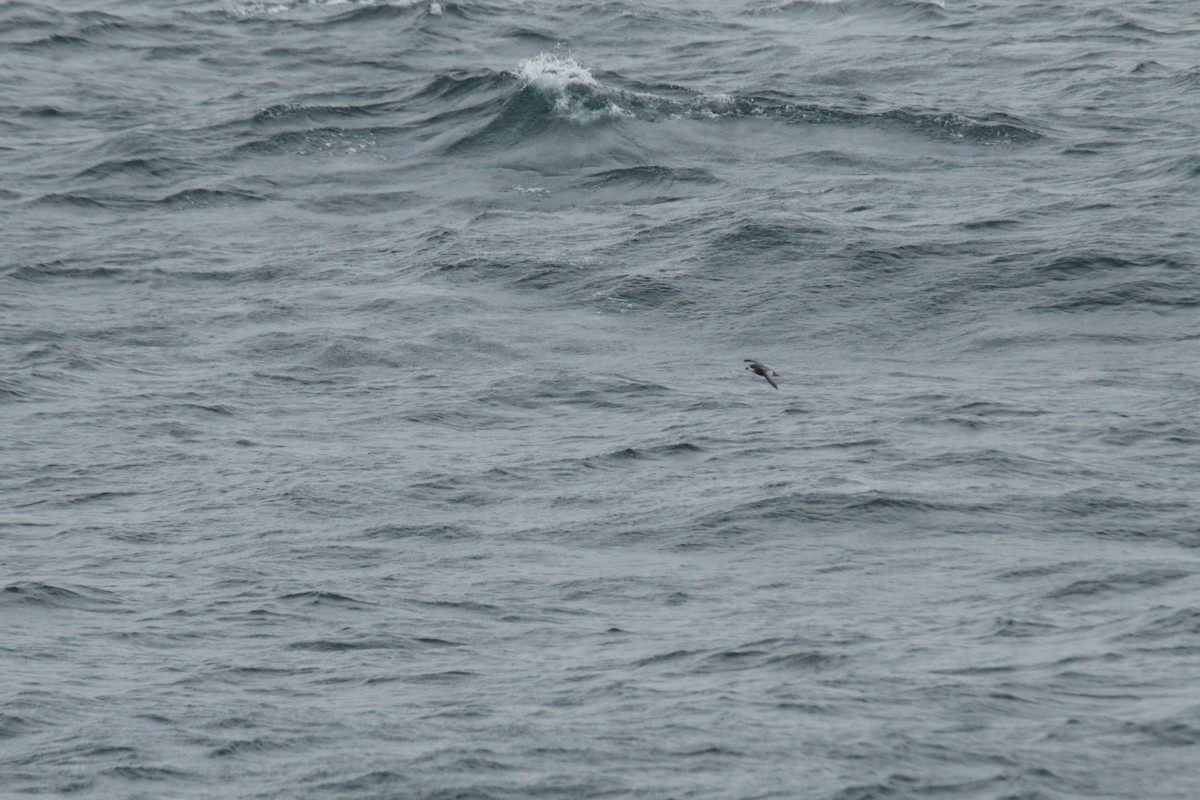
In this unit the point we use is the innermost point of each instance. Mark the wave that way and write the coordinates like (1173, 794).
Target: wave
(52, 270)
(839, 9)
(644, 175)
(119, 168)
(331, 12)
(34, 594)
(362, 203)
(286, 113)
(203, 197)
(1087, 281)
(1152, 293)
(631, 454)
(609, 391)
(552, 89)
(199, 197)
(831, 507)
(309, 141)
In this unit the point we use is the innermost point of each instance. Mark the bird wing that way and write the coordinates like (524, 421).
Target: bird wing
(770, 380)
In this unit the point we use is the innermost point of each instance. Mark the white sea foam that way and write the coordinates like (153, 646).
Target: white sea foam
(576, 93)
(550, 72)
(773, 8)
(261, 8)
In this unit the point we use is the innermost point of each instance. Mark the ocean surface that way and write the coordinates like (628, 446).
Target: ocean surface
(374, 420)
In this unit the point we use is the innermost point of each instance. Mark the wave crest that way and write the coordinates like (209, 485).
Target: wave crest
(573, 88)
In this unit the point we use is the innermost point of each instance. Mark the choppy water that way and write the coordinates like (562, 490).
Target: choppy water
(374, 420)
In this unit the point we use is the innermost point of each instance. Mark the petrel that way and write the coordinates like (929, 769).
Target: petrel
(759, 368)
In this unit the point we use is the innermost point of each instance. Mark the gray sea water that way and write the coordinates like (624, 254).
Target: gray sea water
(374, 420)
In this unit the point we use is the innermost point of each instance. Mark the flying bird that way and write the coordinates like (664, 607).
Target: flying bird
(759, 368)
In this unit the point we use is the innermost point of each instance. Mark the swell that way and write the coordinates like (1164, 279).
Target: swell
(548, 91)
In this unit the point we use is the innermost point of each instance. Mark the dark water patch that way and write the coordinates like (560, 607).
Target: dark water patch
(289, 142)
(433, 641)
(888, 260)
(316, 357)
(991, 462)
(468, 606)
(811, 661)
(95, 20)
(744, 658)
(216, 409)
(148, 774)
(365, 782)
(17, 14)
(350, 645)
(77, 201)
(353, 355)
(308, 380)
(211, 198)
(1110, 504)
(466, 419)
(54, 270)
(844, 11)
(456, 491)
(1070, 267)
(291, 113)
(313, 141)
(1163, 623)
(709, 752)
(1169, 433)
(12, 726)
(778, 239)
(672, 657)
(635, 454)
(533, 37)
(124, 168)
(995, 410)
(610, 391)
(1039, 571)
(844, 509)
(994, 128)
(1089, 149)
(465, 757)
(1119, 583)
(58, 43)
(998, 223)
(544, 276)
(363, 203)
(12, 391)
(34, 594)
(236, 274)
(1009, 628)
(1180, 730)
(445, 676)
(648, 175)
(633, 292)
(1152, 293)
(457, 87)
(517, 120)
(986, 129)
(844, 444)
(56, 354)
(319, 598)
(248, 748)
(372, 14)
(519, 272)
(238, 673)
(99, 497)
